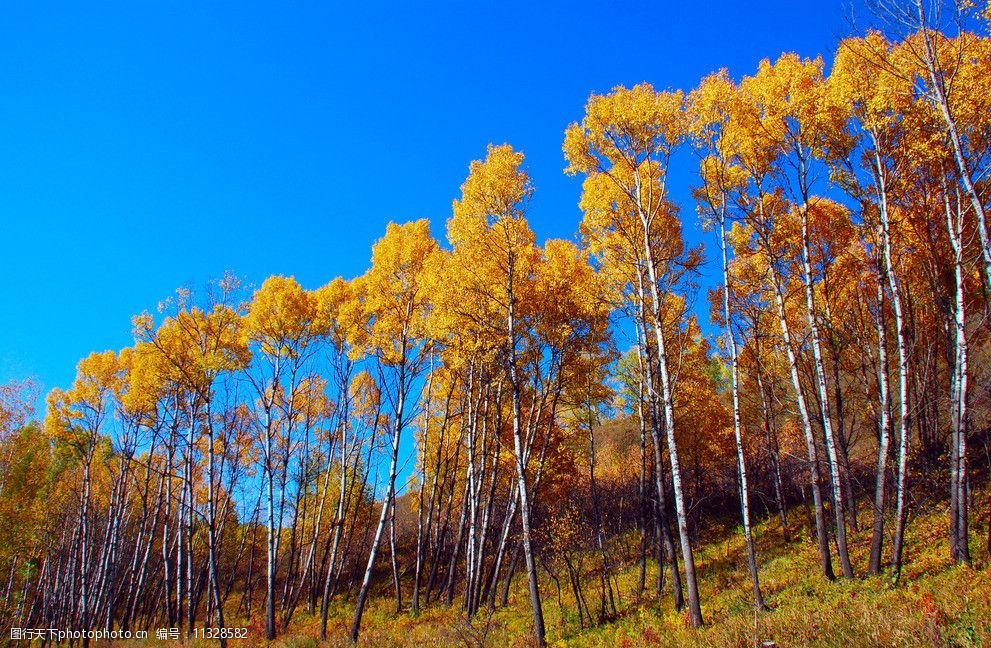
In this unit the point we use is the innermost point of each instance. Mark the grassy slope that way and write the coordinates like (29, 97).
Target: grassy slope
(934, 604)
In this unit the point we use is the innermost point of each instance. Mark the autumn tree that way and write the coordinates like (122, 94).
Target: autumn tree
(878, 99)
(197, 348)
(396, 304)
(623, 146)
(488, 226)
(709, 107)
(78, 418)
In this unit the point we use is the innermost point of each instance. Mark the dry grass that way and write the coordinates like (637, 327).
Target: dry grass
(934, 604)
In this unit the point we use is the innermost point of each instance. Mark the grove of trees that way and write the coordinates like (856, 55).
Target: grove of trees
(245, 458)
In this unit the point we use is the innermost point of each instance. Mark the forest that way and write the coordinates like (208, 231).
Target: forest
(489, 423)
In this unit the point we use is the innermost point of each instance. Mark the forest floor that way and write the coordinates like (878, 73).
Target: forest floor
(934, 604)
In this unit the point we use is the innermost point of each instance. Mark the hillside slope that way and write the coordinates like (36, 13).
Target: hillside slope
(934, 604)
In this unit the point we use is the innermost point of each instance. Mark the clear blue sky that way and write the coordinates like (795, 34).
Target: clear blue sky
(150, 145)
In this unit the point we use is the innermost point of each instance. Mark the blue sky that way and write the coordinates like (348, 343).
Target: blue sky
(150, 145)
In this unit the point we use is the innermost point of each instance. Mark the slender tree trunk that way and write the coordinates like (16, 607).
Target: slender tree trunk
(959, 541)
(471, 478)
(770, 440)
(894, 286)
(695, 609)
(842, 450)
(390, 494)
(270, 542)
(394, 558)
(604, 574)
(489, 499)
(820, 381)
(663, 533)
(877, 536)
(507, 524)
(521, 453)
(825, 559)
(212, 533)
(188, 535)
(83, 565)
(642, 485)
(741, 462)
(455, 551)
(423, 526)
(338, 531)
